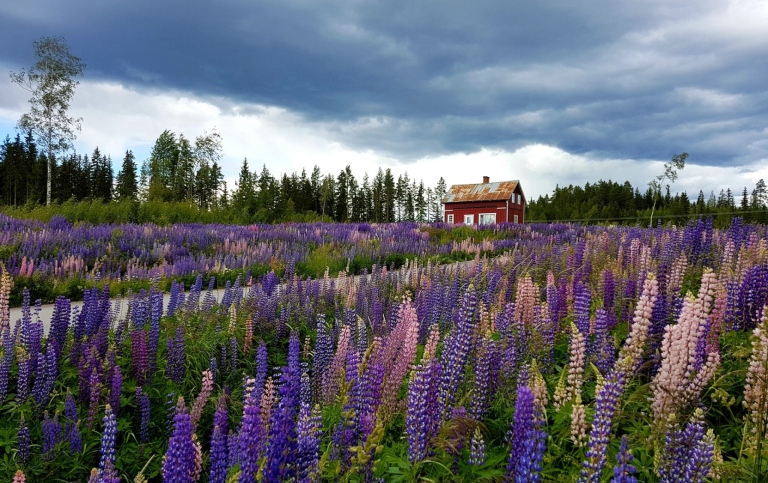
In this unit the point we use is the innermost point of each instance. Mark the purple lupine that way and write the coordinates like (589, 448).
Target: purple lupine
(179, 463)
(687, 453)
(456, 350)
(108, 439)
(219, 457)
(38, 388)
(281, 449)
(51, 435)
(422, 417)
(250, 442)
(115, 388)
(528, 439)
(624, 471)
(24, 440)
(477, 449)
(176, 357)
(140, 357)
(71, 429)
(22, 382)
(323, 354)
(582, 298)
(143, 410)
(481, 394)
(603, 348)
(177, 291)
(606, 403)
(308, 442)
(7, 361)
(156, 301)
(233, 349)
(95, 397)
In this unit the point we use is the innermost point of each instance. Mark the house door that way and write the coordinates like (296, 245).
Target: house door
(469, 219)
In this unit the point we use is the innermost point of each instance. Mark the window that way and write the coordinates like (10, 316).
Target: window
(487, 218)
(469, 219)
(450, 218)
(516, 219)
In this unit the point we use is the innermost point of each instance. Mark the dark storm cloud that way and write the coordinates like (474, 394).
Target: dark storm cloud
(639, 80)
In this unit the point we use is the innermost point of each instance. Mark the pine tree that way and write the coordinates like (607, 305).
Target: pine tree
(127, 188)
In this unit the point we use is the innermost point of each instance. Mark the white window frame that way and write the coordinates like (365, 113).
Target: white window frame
(483, 221)
(516, 219)
(450, 218)
(469, 219)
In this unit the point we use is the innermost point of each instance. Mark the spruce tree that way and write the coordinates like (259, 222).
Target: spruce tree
(127, 187)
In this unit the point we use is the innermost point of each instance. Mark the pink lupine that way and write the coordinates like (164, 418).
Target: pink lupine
(525, 300)
(631, 354)
(202, 398)
(682, 374)
(572, 383)
(332, 376)
(756, 388)
(430, 348)
(406, 338)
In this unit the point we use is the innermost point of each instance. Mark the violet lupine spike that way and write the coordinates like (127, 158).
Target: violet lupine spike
(624, 471)
(71, 429)
(281, 447)
(481, 393)
(456, 350)
(179, 462)
(607, 401)
(309, 432)
(582, 298)
(143, 413)
(108, 439)
(477, 449)
(528, 439)
(422, 419)
(5, 364)
(51, 435)
(219, 456)
(139, 357)
(603, 348)
(250, 442)
(116, 389)
(23, 442)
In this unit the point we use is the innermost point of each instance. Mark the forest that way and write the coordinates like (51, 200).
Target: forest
(182, 181)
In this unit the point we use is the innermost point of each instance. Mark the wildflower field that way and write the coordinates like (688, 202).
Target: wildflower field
(551, 353)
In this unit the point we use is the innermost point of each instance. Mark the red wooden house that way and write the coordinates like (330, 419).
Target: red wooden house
(484, 203)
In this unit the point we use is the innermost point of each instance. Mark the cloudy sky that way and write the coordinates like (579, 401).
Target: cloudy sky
(548, 92)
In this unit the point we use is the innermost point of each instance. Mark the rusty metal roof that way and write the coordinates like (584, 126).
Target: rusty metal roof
(499, 190)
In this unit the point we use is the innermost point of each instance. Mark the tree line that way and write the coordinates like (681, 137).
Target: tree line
(612, 202)
(184, 172)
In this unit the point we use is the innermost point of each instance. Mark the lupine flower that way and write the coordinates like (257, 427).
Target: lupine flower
(756, 389)
(140, 357)
(422, 417)
(142, 408)
(477, 449)
(607, 401)
(108, 439)
(19, 477)
(202, 398)
(571, 384)
(219, 457)
(456, 350)
(687, 453)
(116, 388)
(51, 435)
(179, 463)
(528, 439)
(683, 372)
(250, 442)
(23, 440)
(624, 471)
(309, 432)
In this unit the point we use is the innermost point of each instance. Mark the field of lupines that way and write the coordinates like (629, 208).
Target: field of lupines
(580, 354)
(57, 258)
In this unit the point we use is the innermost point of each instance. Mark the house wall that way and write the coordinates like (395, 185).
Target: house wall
(505, 211)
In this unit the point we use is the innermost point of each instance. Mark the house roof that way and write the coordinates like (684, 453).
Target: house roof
(499, 190)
